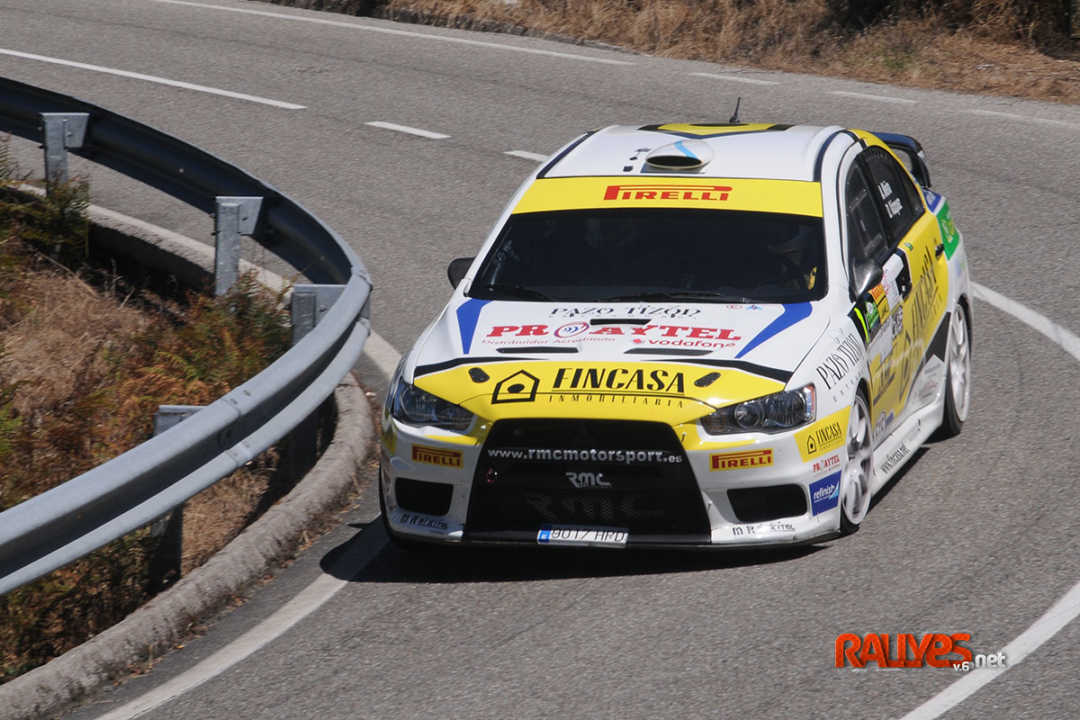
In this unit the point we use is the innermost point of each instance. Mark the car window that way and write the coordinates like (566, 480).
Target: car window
(866, 233)
(899, 198)
(656, 254)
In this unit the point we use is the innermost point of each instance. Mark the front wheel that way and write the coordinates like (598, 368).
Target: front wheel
(858, 473)
(957, 375)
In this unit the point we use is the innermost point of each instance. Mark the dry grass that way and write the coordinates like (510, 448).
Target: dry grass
(1005, 47)
(82, 371)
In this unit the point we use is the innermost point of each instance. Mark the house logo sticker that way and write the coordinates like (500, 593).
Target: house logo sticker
(519, 387)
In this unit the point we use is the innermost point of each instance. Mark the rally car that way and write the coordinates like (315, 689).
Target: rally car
(704, 335)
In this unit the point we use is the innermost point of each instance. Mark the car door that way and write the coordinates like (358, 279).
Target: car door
(867, 252)
(916, 241)
(910, 300)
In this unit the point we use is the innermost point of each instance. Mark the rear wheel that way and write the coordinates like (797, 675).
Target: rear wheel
(858, 473)
(957, 375)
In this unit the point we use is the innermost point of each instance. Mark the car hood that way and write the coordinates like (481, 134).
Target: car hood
(499, 358)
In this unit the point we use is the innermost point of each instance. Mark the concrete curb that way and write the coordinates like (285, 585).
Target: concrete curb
(159, 625)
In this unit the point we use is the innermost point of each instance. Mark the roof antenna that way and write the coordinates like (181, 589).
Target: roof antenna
(735, 115)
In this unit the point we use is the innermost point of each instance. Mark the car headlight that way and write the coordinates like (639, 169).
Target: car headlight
(772, 413)
(411, 405)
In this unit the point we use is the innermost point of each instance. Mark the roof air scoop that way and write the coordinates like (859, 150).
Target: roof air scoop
(683, 156)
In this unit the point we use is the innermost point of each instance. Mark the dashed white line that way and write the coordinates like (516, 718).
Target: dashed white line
(406, 129)
(878, 98)
(403, 33)
(1067, 608)
(527, 155)
(153, 79)
(1024, 118)
(735, 78)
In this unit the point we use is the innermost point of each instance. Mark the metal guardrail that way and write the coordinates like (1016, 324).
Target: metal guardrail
(130, 491)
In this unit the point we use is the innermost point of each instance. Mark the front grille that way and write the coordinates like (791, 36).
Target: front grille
(420, 496)
(767, 503)
(593, 473)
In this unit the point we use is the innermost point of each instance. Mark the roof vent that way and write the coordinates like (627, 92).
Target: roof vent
(682, 156)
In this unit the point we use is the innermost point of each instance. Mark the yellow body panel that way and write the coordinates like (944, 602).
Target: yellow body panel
(793, 197)
(664, 392)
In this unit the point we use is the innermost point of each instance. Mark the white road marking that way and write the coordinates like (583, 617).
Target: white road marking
(527, 155)
(303, 604)
(1061, 613)
(1024, 118)
(1059, 335)
(879, 98)
(153, 79)
(735, 78)
(407, 129)
(383, 354)
(404, 33)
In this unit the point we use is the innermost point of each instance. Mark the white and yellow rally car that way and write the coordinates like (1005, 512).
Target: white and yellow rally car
(686, 334)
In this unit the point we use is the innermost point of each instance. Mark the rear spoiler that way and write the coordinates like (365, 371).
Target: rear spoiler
(909, 150)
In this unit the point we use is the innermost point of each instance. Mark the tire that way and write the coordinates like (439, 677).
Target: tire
(858, 473)
(957, 375)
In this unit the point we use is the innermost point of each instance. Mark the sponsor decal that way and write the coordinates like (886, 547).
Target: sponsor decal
(649, 334)
(634, 311)
(436, 456)
(823, 436)
(840, 361)
(582, 480)
(421, 521)
(519, 387)
(652, 191)
(750, 531)
(828, 463)
(950, 236)
(907, 650)
(741, 460)
(621, 379)
(570, 330)
(895, 458)
(884, 420)
(748, 194)
(560, 455)
(825, 494)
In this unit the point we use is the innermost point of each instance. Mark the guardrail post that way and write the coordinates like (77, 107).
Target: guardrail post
(62, 131)
(165, 563)
(309, 304)
(233, 217)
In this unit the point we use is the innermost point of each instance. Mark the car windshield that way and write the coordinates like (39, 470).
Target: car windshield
(655, 254)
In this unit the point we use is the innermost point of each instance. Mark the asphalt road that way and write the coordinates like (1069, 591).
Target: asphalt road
(979, 534)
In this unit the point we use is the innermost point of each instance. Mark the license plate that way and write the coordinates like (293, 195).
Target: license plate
(562, 535)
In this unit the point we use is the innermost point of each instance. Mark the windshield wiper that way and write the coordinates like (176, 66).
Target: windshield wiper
(518, 292)
(680, 295)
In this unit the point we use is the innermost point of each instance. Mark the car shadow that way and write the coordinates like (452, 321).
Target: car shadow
(369, 556)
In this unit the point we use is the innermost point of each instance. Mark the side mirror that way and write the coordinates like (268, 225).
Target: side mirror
(864, 278)
(457, 269)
